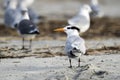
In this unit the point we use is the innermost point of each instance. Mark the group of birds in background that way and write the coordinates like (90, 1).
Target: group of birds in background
(12, 11)
(19, 15)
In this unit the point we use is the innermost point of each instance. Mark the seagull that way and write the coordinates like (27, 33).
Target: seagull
(10, 11)
(32, 14)
(82, 19)
(26, 28)
(5, 5)
(96, 10)
(75, 45)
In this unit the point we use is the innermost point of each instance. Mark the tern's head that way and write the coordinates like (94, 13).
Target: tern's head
(85, 9)
(70, 30)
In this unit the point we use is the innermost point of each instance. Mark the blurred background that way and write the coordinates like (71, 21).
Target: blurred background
(57, 12)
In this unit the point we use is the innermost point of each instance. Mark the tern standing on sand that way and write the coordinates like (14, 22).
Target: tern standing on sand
(75, 45)
(82, 20)
(26, 28)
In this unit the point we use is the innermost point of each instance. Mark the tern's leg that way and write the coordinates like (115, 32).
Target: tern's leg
(70, 63)
(79, 62)
(30, 44)
(23, 43)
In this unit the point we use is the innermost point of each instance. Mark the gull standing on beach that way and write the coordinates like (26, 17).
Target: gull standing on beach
(75, 45)
(10, 11)
(82, 20)
(26, 28)
(34, 17)
(96, 10)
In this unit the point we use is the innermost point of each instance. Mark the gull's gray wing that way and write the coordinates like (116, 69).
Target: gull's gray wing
(9, 17)
(96, 10)
(27, 27)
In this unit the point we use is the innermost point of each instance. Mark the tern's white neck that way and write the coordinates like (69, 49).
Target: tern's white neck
(72, 33)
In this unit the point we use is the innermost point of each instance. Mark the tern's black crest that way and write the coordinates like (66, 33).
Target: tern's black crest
(73, 27)
(27, 27)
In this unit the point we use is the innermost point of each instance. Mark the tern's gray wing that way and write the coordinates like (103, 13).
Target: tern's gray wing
(27, 27)
(75, 42)
(9, 17)
(80, 21)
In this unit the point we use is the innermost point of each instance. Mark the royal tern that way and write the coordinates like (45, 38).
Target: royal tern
(75, 45)
(82, 20)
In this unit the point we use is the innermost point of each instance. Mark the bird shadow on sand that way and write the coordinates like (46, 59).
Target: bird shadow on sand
(89, 72)
(79, 71)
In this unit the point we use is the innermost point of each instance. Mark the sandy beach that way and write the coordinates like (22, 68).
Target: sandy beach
(47, 60)
(105, 67)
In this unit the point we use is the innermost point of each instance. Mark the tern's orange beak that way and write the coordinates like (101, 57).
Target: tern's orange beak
(59, 30)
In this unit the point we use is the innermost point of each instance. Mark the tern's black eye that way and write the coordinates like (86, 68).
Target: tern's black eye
(73, 27)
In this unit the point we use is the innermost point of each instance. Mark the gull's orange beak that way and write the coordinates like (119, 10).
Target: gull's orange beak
(59, 30)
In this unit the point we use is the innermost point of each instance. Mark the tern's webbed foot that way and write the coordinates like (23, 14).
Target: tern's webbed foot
(70, 67)
(23, 48)
(78, 65)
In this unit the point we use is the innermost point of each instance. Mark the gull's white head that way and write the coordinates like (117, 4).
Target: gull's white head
(69, 30)
(94, 2)
(86, 8)
(12, 4)
(26, 3)
(24, 13)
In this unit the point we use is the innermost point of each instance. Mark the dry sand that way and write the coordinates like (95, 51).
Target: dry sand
(102, 67)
